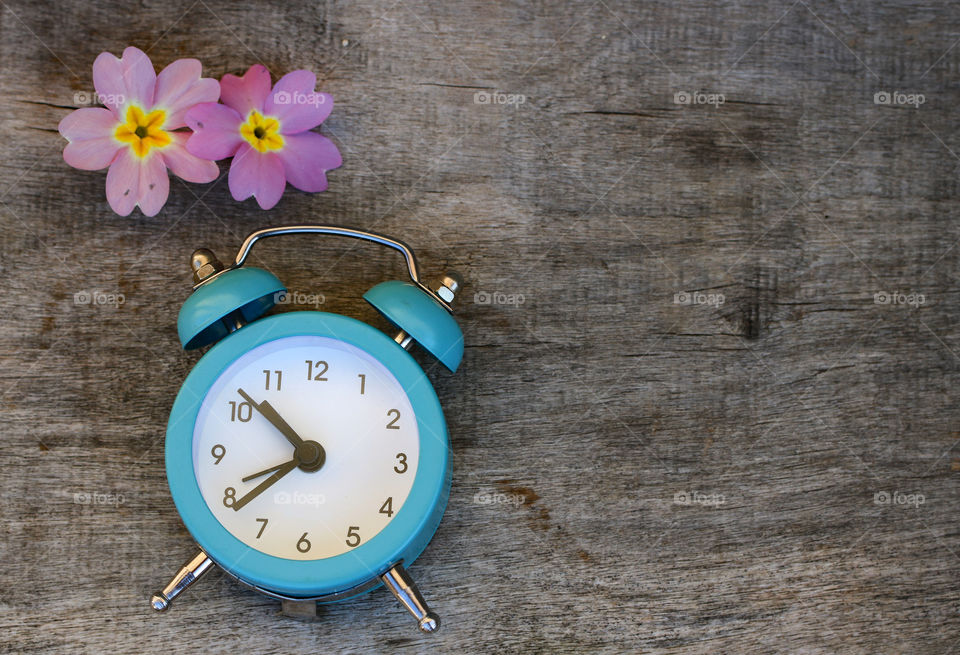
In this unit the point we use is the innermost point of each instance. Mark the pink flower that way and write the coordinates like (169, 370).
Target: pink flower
(267, 132)
(133, 134)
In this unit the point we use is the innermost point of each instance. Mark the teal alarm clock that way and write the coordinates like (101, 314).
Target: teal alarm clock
(307, 452)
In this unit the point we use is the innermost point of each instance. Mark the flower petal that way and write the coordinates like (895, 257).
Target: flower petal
(108, 82)
(91, 154)
(128, 80)
(216, 131)
(247, 93)
(88, 123)
(306, 158)
(295, 103)
(176, 78)
(185, 165)
(154, 184)
(138, 76)
(132, 180)
(179, 87)
(256, 174)
(123, 182)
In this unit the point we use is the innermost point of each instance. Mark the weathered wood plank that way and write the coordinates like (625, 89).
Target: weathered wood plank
(671, 477)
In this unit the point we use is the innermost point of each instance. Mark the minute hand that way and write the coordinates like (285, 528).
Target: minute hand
(271, 415)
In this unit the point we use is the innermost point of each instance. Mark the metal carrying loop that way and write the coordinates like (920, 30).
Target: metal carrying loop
(335, 230)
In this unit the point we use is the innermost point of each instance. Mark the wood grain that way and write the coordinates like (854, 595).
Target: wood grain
(666, 477)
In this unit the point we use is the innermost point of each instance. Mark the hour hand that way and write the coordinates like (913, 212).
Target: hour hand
(271, 415)
(263, 486)
(263, 472)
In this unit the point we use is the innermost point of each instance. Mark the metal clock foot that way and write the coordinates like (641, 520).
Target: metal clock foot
(298, 609)
(399, 582)
(186, 576)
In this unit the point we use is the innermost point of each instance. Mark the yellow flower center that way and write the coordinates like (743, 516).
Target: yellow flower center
(262, 132)
(142, 131)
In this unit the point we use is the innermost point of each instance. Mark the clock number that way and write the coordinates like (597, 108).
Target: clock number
(303, 545)
(229, 494)
(218, 451)
(353, 537)
(387, 507)
(242, 411)
(392, 425)
(314, 372)
(266, 373)
(262, 527)
(363, 382)
(403, 462)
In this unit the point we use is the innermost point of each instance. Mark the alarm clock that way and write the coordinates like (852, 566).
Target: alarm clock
(306, 451)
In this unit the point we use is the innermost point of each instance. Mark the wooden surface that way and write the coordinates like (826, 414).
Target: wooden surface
(665, 477)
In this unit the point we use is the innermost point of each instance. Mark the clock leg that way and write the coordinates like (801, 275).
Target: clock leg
(298, 609)
(186, 576)
(399, 582)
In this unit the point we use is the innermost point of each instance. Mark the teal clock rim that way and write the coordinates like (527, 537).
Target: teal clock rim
(404, 537)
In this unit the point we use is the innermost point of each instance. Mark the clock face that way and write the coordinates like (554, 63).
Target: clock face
(305, 447)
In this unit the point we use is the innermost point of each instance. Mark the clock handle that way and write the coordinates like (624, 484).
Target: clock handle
(336, 230)
(422, 317)
(402, 586)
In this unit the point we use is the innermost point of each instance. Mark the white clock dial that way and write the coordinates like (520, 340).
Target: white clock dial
(331, 393)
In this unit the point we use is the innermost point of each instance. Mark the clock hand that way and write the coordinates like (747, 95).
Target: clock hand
(309, 455)
(271, 415)
(263, 486)
(264, 472)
